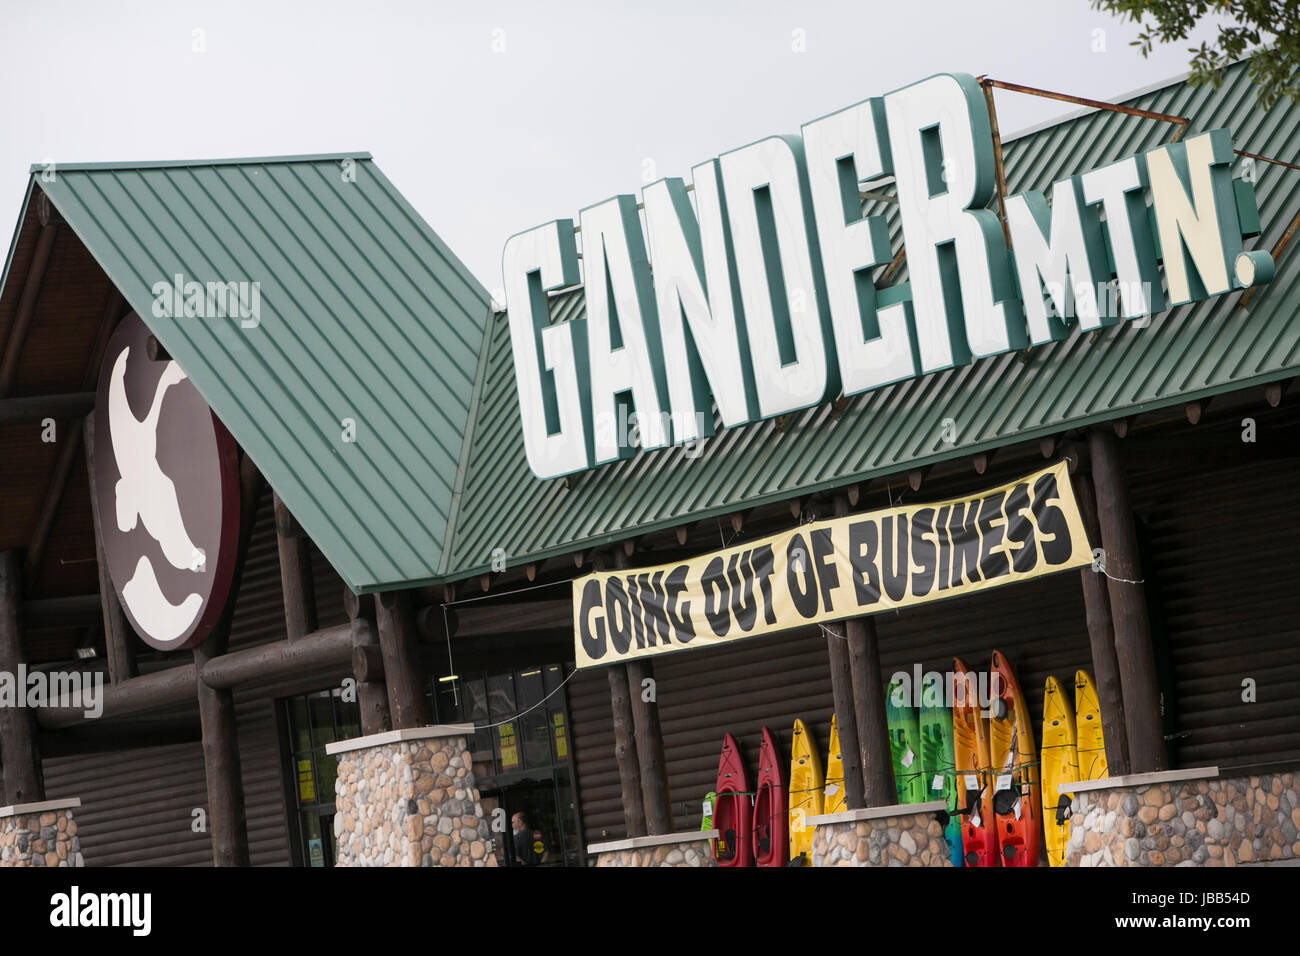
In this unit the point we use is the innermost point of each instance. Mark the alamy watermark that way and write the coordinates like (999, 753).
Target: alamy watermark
(946, 689)
(212, 300)
(629, 429)
(36, 688)
(1111, 298)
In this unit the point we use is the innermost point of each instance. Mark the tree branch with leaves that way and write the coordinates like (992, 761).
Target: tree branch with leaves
(1268, 31)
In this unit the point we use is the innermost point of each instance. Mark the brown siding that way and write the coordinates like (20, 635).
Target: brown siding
(1223, 550)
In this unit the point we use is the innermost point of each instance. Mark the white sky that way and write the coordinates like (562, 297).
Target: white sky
(485, 144)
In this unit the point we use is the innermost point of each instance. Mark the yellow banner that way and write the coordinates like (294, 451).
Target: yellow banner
(830, 570)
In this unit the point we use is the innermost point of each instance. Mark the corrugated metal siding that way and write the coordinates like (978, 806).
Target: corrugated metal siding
(364, 314)
(1224, 554)
(1183, 354)
(772, 680)
(136, 804)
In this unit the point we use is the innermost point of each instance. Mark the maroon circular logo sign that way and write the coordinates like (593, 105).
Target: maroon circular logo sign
(167, 482)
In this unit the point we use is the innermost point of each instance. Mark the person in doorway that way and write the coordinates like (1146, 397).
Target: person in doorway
(527, 842)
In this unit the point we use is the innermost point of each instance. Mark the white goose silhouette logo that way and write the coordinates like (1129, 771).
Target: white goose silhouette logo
(144, 494)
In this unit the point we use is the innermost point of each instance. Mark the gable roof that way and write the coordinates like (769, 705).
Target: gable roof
(365, 318)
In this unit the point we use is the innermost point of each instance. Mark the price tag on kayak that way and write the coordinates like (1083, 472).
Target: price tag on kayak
(972, 781)
(1004, 781)
(908, 758)
(708, 808)
(1016, 810)
(832, 789)
(937, 782)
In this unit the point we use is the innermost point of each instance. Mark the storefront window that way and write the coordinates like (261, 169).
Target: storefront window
(315, 720)
(522, 756)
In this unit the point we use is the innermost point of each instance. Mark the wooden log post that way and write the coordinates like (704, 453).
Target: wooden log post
(295, 573)
(399, 642)
(649, 747)
(629, 767)
(643, 697)
(1133, 648)
(22, 763)
(372, 692)
(1101, 636)
(118, 635)
(846, 717)
(868, 689)
(227, 817)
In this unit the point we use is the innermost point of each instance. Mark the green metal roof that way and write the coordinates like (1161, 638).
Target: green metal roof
(1181, 355)
(364, 314)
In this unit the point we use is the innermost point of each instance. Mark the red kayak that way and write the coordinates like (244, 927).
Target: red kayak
(771, 810)
(732, 811)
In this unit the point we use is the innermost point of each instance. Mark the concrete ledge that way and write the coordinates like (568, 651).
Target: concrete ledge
(875, 813)
(1139, 779)
(41, 806)
(399, 736)
(636, 843)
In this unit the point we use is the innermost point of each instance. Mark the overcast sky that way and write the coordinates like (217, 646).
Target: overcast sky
(495, 117)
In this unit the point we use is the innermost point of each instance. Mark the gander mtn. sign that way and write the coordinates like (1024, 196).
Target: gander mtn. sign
(760, 299)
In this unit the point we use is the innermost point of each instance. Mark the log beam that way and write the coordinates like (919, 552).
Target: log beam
(328, 648)
(35, 409)
(1133, 646)
(331, 647)
(165, 688)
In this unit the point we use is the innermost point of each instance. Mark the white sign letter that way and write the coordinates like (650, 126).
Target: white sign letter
(778, 267)
(962, 291)
(553, 398)
(875, 345)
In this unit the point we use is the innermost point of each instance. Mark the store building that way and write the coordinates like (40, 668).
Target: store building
(390, 564)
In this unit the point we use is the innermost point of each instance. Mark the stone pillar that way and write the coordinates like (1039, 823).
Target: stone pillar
(898, 835)
(409, 798)
(40, 834)
(1185, 818)
(694, 848)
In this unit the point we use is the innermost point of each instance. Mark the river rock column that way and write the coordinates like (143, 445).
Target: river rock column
(408, 798)
(40, 834)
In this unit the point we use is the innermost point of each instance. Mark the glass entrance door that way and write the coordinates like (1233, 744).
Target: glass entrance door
(522, 759)
(538, 824)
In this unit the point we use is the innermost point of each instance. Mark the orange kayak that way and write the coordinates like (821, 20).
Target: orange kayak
(1017, 798)
(970, 749)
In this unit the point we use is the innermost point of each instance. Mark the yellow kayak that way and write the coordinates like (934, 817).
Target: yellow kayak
(806, 783)
(1087, 722)
(1060, 764)
(834, 801)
